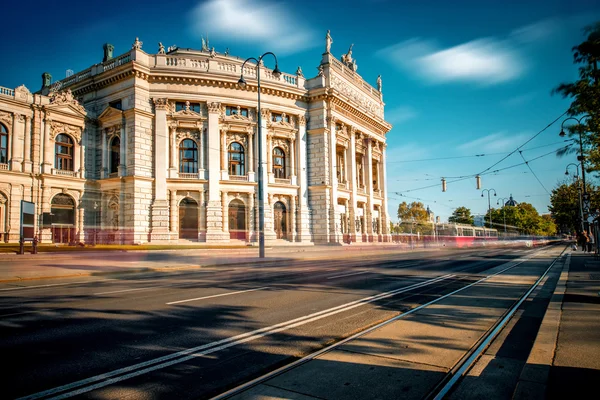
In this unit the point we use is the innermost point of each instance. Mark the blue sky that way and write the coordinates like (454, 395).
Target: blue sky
(464, 82)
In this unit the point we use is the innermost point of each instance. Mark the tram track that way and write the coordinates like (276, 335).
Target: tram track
(453, 376)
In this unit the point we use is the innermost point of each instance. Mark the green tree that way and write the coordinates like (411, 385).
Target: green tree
(462, 215)
(523, 219)
(564, 205)
(413, 218)
(585, 93)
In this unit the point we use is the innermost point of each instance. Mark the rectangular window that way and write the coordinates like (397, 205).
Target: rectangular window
(231, 110)
(182, 105)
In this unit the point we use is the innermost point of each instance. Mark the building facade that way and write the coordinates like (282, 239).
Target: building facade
(163, 148)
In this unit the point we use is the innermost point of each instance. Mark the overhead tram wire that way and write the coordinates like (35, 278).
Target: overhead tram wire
(536, 177)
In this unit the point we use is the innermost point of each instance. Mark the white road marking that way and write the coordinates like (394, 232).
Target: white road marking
(109, 378)
(218, 295)
(350, 274)
(54, 284)
(127, 290)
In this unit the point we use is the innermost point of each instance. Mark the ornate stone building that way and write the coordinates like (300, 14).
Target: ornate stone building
(163, 147)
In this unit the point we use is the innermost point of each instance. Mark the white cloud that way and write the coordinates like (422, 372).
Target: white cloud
(486, 61)
(535, 32)
(500, 141)
(269, 24)
(519, 100)
(400, 114)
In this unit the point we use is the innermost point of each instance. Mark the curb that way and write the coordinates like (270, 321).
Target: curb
(533, 380)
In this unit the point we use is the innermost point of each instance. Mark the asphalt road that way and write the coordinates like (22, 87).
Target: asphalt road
(195, 334)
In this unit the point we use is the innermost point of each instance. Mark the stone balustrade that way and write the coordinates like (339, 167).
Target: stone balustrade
(7, 92)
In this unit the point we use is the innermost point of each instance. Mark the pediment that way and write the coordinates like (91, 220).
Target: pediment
(281, 126)
(110, 113)
(69, 110)
(190, 114)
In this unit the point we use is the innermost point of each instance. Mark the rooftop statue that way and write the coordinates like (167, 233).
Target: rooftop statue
(379, 83)
(137, 45)
(348, 61)
(299, 72)
(328, 41)
(161, 48)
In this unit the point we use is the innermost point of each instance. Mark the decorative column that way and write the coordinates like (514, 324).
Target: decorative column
(269, 166)
(214, 211)
(201, 153)
(352, 181)
(293, 200)
(334, 232)
(304, 234)
(173, 214)
(202, 217)
(224, 170)
(16, 138)
(293, 161)
(48, 146)
(251, 219)
(250, 162)
(159, 230)
(80, 222)
(173, 161)
(27, 164)
(103, 164)
(267, 176)
(384, 208)
(122, 167)
(225, 213)
(81, 157)
(369, 179)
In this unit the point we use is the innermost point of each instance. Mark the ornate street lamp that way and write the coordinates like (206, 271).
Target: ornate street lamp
(581, 159)
(261, 199)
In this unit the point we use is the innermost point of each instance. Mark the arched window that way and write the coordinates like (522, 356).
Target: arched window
(115, 155)
(236, 159)
(279, 163)
(3, 145)
(188, 156)
(64, 153)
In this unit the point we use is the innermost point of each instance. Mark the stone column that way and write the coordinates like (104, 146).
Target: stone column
(334, 231)
(80, 222)
(269, 159)
(293, 200)
(16, 149)
(27, 164)
(267, 176)
(122, 167)
(173, 214)
(224, 169)
(81, 157)
(201, 153)
(48, 147)
(352, 181)
(103, 155)
(251, 219)
(225, 212)
(214, 212)
(293, 161)
(304, 233)
(369, 181)
(173, 164)
(384, 208)
(159, 230)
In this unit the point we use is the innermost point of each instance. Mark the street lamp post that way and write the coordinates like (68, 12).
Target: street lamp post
(503, 200)
(95, 227)
(578, 192)
(581, 159)
(261, 183)
(489, 206)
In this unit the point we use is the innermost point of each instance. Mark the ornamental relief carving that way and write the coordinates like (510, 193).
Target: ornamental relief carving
(214, 107)
(193, 134)
(114, 130)
(160, 103)
(301, 120)
(6, 118)
(56, 128)
(237, 137)
(284, 144)
(355, 95)
(66, 97)
(243, 197)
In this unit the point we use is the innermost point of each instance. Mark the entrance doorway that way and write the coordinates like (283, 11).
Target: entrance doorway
(237, 220)
(62, 211)
(188, 219)
(279, 216)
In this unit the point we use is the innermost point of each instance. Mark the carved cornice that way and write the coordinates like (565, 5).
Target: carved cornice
(214, 108)
(161, 103)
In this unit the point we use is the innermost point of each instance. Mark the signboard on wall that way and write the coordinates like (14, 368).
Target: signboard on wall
(27, 230)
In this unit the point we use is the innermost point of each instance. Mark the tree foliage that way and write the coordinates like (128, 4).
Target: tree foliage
(462, 215)
(585, 95)
(564, 205)
(413, 212)
(522, 219)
